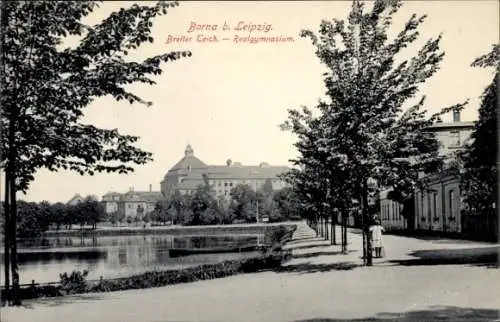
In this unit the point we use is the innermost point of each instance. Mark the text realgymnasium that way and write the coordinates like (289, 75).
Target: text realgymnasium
(256, 39)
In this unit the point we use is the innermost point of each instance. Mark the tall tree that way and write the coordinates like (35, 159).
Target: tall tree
(242, 205)
(368, 126)
(286, 204)
(46, 86)
(204, 206)
(479, 180)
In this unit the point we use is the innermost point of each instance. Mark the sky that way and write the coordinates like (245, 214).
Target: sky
(228, 99)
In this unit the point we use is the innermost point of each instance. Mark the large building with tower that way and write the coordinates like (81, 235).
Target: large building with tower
(190, 172)
(186, 176)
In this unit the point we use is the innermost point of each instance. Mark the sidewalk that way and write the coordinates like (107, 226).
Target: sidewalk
(318, 285)
(307, 247)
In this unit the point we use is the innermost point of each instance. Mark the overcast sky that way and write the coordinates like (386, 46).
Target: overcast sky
(228, 99)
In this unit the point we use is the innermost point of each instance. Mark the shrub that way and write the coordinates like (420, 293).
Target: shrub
(74, 283)
(277, 236)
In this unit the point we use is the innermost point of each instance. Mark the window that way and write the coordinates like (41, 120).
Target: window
(225, 184)
(454, 138)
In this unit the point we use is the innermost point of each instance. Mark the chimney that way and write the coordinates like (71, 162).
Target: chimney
(131, 189)
(456, 116)
(150, 187)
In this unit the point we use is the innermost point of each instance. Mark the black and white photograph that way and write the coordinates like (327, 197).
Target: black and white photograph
(249, 161)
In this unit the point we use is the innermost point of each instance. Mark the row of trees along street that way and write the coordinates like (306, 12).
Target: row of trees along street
(372, 126)
(244, 205)
(46, 85)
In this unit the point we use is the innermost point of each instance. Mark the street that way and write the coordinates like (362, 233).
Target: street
(418, 280)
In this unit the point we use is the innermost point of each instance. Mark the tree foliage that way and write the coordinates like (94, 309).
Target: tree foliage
(373, 123)
(36, 218)
(243, 203)
(48, 85)
(479, 180)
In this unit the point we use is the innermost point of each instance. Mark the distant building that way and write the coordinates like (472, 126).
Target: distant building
(437, 207)
(75, 200)
(111, 201)
(187, 174)
(132, 203)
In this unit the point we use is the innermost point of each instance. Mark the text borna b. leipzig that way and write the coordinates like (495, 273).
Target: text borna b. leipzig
(247, 33)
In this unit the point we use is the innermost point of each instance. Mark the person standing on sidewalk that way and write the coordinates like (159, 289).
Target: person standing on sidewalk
(376, 231)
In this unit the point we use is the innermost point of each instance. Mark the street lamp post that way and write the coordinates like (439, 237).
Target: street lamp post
(257, 211)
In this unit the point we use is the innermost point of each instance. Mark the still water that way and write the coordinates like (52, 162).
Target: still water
(44, 259)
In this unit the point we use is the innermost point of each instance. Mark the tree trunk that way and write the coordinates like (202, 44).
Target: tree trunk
(327, 235)
(7, 236)
(316, 223)
(344, 230)
(333, 233)
(367, 222)
(3, 21)
(345, 235)
(11, 173)
(322, 233)
(13, 246)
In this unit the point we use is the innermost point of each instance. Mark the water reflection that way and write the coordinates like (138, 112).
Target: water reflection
(43, 259)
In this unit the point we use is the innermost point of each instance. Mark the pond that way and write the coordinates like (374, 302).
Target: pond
(43, 259)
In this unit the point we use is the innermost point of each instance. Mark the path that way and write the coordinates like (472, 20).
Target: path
(318, 284)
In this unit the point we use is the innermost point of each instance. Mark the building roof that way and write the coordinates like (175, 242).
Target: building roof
(141, 196)
(112, 193)
(76, 198)
(452, 125)
(245, 172)
(194, 168)
(189, 161)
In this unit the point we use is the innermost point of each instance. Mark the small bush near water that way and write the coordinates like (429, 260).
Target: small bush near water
(277, 236)
(76, 283)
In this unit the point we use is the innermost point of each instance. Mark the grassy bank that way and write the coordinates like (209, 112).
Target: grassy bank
(75, 283)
